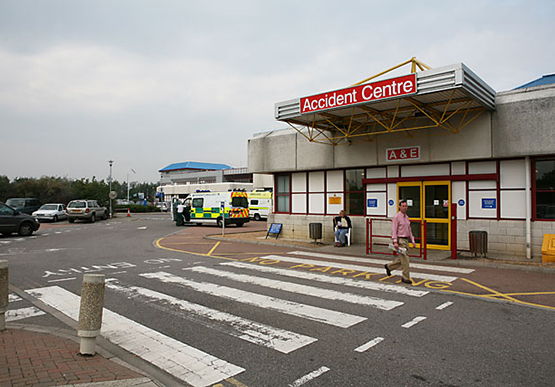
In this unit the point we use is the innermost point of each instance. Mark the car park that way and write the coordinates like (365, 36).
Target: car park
(88, 210)
(51, 211)
(25, 205)
(15, 221)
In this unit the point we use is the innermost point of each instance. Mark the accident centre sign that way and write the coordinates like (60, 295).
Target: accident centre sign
(374, 91)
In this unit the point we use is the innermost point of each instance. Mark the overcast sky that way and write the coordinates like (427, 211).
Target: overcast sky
(150, 83)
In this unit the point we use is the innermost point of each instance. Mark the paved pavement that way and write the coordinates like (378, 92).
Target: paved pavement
(34, 356)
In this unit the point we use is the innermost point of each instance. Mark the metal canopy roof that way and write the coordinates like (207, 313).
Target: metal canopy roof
(449, 97)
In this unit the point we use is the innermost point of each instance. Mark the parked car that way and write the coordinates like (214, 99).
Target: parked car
(51, 211)
(13, 220)
(88, 210)
(25, 205)
(163, 206)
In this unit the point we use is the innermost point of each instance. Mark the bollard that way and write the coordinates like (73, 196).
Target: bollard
(90, 312)
(4, 289)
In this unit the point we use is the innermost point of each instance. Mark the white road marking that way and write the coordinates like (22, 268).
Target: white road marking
(23, 313)
(13, 297)
(414, 321)
(58, 232)
(382, 262)
(180, 360)
(314, 313)
(141, 228)
(433, 277)
(369, 344)
(308, 377)
(63, 279)
(444, 305)
(248, 330)
(375, 302)
(329, 279)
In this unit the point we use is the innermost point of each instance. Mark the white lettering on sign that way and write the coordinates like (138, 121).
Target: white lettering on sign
(388, 88)
(400, 154)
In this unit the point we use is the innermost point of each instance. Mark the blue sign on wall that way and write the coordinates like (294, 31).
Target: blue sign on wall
(489, 203)
(390, 202)
(462, 202)
(373, 203)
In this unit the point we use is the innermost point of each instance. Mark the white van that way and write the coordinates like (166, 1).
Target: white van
(260, 204)
(206, 207)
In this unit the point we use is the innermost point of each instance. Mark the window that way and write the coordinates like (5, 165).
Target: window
(354, 192)
(545, 189)
(282, 193)
(239, 202)
(198, 202)
(254, 202)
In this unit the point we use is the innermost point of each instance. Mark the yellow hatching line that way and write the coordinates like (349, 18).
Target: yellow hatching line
(213, 248)
(529, 294)
(495, 293)
(191, 252)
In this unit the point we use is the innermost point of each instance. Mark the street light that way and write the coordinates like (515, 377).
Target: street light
(132, 170)
(111, 162)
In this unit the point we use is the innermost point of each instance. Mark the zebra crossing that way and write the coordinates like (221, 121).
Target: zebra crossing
(196, 366)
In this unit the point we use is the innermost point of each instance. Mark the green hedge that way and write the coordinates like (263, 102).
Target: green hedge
(136, 208)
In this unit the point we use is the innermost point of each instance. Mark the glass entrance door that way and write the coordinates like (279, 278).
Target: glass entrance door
(429, 201)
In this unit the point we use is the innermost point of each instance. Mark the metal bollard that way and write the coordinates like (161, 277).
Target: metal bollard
(4, 290)
(90, 312)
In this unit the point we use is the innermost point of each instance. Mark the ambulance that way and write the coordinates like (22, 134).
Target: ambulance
(213, 207)
(260, 204)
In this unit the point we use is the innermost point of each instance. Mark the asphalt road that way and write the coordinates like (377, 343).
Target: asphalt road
(267, 328)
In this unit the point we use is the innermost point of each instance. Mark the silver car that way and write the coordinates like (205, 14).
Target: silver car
(51, 211)
(88, 210)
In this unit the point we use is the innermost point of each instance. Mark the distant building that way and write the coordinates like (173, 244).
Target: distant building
(178, 180)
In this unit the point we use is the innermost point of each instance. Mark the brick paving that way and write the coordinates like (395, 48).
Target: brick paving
(36, 359)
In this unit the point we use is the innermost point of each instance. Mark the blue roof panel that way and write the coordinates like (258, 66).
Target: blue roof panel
(194, 165)
(545, 80)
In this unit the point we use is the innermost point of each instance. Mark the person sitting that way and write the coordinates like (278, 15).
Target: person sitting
(342, 224)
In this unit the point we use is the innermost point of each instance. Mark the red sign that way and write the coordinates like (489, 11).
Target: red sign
(388, 88)
(400, 154)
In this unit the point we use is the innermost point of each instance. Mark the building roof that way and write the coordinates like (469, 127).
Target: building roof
(544, 80)
(194, 165)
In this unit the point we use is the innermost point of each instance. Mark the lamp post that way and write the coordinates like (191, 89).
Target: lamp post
(132, 170)
(111, 162)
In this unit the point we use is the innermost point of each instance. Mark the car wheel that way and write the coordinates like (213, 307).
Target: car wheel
(105, 216)
(240, 224)
(7, 233)
(93, 218)
(25, 229)
(219, 222)
(70, 220)
(257, 217)
(55, 219)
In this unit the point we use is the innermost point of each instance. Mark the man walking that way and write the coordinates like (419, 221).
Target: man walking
(400, 235)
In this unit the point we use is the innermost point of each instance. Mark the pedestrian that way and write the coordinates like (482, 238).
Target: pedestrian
(187, 212)
(342, 224)
(400, 235)
(180, 208)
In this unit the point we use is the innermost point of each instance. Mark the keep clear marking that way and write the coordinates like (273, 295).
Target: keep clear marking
(414, 321)
(444, 305)
(308, 377)
(184, 362)
(369, 344)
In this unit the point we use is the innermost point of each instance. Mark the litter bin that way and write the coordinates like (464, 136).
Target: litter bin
(315, 231)
(478, 242)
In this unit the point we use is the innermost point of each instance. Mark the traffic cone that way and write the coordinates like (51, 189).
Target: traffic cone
(128, 213)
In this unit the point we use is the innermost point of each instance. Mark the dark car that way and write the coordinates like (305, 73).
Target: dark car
(25, 205)
(12, 220)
